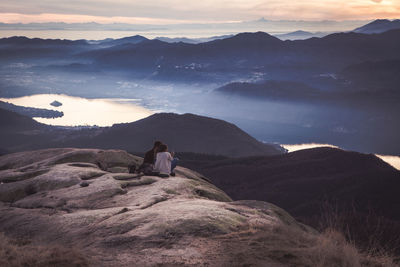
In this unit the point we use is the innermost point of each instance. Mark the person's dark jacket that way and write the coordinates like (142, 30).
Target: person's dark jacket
(150, 156)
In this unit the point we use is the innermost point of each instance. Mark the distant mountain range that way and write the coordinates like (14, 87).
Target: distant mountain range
(192, 40)
(300, 35)
(245, 51)
(379, 26)
(126, 40)
(353, 72)
(248, 52)
(327, 64)
(193, 28)
(183, 133)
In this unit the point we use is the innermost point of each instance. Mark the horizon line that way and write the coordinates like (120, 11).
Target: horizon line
(196, 22)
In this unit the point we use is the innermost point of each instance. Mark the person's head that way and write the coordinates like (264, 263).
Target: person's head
(163, 148)
(157, 144)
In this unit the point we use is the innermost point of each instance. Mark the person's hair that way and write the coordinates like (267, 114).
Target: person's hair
(157, 144)
(163, 148)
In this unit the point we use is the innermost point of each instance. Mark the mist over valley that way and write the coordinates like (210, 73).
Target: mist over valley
(341, 89)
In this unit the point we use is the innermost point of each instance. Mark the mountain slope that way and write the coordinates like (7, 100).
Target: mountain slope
(12, 122)
(380, 77)
(379, 26)
(126, 40)
(26, 49)
(299, 35)
(19, 132)
(324, 187)
(184, 133)
(300, 181)
(271, 90)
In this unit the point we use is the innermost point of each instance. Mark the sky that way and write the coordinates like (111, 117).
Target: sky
(189, 11)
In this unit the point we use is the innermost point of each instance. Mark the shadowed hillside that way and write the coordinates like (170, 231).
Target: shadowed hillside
(184, 133)
(275, 90)
(300, 180)
(17, 132)
(311, 183)
(11, 122)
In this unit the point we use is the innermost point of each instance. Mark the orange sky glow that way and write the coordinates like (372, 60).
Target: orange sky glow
(182, 11)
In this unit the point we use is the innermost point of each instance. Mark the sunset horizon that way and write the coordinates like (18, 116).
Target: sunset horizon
(165, 12)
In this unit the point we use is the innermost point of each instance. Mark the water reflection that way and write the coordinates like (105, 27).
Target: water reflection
(82, 111)
(296, 147)
(392, 160)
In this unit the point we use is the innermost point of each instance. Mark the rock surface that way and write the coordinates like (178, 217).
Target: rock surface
(121, 219)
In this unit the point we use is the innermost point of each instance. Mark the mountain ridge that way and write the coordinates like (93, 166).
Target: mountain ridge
(184, 133)
(379, 26)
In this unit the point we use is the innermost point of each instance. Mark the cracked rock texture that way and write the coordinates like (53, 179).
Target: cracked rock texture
(85, 199)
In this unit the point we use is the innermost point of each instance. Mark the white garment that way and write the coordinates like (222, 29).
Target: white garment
(163, 162)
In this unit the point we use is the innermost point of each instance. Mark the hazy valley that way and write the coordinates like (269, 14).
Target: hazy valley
(340, 89)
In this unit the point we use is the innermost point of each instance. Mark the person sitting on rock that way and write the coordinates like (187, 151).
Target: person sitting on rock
(149, 159)
(165, 161)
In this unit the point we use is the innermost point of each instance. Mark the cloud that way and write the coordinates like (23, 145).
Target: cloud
(205, 10)
(73, 18)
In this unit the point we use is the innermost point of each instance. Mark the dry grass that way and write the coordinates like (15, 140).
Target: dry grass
(17, 253)
(369, 232)
(329, 249)
(332, 249)
(291, 246)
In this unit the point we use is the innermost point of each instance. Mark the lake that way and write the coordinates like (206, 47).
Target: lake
(83, 111)
(80, 111)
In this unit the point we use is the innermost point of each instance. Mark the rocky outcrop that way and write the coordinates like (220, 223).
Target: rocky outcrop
(85, 199)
